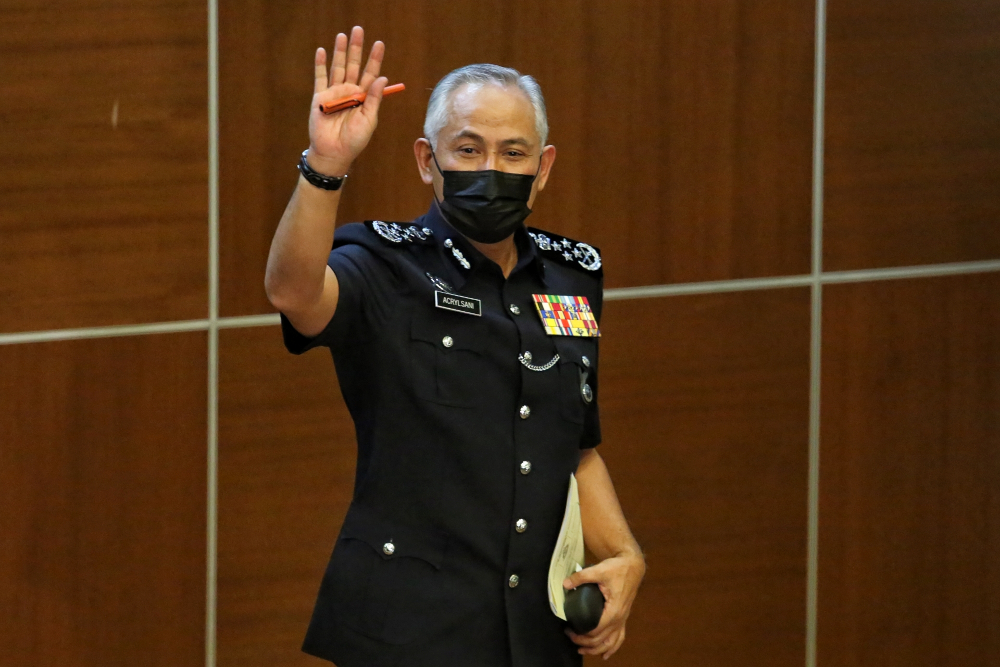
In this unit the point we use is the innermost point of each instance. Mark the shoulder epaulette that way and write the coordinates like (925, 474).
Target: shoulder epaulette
(567, 251)
(399, 233)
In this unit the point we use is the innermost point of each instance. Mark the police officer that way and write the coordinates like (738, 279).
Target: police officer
(466, 349)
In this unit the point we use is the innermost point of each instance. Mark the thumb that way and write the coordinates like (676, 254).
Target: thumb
(584, 576)
(374, 96)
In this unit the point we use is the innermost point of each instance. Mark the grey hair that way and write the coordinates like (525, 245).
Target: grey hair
(437, 105)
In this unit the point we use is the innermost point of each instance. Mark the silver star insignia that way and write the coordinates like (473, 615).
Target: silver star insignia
(567, 255)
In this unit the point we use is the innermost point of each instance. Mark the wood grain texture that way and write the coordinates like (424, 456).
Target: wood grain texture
(684, 129)
(910, 474)
(103, 502)
(286, 474)
(912, 138)
(103, 163)
(704, 408)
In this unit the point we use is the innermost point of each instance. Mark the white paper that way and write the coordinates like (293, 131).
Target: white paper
(568, 555)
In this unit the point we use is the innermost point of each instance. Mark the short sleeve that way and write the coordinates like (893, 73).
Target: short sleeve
(363, 279)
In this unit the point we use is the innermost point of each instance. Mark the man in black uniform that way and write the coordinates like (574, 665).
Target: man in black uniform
(471, 409)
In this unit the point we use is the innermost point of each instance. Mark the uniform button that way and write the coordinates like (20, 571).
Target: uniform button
(428, 231)
(526, 356)
(588, 393)
(513, 581)
(514, 309)
(586, 362)
(388, 548)
(525, 412)
(447, 341)
(448, 243)
(521, 525)
(525, 467)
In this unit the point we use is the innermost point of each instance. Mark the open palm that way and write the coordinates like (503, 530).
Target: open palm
(335, 140)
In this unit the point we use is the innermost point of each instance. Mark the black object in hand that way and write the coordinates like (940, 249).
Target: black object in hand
(584, 606)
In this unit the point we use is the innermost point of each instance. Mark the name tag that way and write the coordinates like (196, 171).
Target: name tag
(458, 303)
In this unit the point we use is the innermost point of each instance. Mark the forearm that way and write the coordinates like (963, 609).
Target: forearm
(605, 530)
(296, 265)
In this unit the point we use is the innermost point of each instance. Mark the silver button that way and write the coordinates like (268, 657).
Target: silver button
(428, 231)
(525, 467)
(526, 356)
(515, 309)
(588, 393)
(388, 548)
(525, 412)
(586, 361)
(513, 581)
(447, 341)
(448, 243)
(521, 525)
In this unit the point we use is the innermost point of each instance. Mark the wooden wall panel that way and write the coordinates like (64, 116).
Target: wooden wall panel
(103, 501)
(910, 486)
(684, 129)
(912, 138)
(103, 163)
(704, 408)
(286, 473)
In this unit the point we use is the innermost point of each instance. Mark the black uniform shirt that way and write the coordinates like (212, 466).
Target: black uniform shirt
(469, 421)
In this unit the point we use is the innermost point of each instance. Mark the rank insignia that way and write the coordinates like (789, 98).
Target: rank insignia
(566, 315)
(396, 233)
(567, 251)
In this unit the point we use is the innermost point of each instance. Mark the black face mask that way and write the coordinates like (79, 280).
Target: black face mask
(486, 206)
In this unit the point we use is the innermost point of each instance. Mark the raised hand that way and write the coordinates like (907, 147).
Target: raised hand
(335, 140)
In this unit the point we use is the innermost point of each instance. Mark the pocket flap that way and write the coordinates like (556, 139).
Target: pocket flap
(463, 332)
(579, 351)
(407, 541)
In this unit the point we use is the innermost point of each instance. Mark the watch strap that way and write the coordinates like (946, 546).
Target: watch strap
(317, 179)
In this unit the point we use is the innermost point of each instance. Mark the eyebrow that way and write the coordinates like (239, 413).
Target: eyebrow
(469, 134)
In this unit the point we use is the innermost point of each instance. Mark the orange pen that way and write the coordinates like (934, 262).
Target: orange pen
(357, 99)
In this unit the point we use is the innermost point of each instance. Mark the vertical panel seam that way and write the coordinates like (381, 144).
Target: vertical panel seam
(815, 339)
(211, 519)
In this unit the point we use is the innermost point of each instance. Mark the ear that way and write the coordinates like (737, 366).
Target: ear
(422, 151)
(548, 158)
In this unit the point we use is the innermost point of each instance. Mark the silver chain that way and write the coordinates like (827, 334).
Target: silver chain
(531, 367)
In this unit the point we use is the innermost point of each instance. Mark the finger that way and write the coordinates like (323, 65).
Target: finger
(319, 85)
(339, 60)
(617, 644)
(591, 639)
(605, 645)
(374, 65)
(354, 52)
(374, 98)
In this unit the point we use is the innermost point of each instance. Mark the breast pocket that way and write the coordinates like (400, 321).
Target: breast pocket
(447, 358)
(577, 376)
(386, 579)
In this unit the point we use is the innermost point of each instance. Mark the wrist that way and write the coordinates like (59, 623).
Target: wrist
(327, 166)
(635, 557)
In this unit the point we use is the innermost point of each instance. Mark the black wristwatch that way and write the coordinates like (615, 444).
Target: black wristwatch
(317, 179)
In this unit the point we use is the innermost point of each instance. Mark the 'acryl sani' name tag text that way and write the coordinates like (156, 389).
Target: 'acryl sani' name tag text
(458, 303)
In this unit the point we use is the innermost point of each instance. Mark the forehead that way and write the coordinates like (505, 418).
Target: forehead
(492, 111)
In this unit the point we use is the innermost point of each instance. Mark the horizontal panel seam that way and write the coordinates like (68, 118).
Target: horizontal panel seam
(612, 294)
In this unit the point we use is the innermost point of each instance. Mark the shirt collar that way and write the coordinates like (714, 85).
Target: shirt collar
(463, 259)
